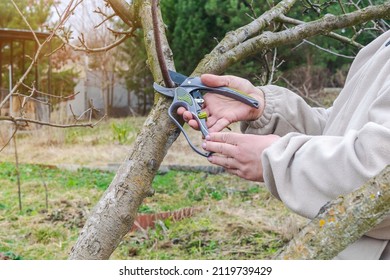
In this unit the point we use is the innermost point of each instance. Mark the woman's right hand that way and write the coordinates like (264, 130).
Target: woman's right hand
(222, 110)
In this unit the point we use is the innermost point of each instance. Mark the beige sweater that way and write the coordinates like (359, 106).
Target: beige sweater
(327, 152)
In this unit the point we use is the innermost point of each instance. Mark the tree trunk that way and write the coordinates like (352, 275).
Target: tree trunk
(342, 221)
(114, 214)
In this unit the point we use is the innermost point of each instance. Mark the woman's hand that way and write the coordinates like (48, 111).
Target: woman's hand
(222, 110)
(239, 154)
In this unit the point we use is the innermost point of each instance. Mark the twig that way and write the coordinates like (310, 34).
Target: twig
(328, 50)
(26, 22)
(156, 31)
(46, 189)
(47, 94)
(333, 35)
(26, 120)
(37, 53)
(273, 69)
(87, 49)
(300, 93)
(9, 140)
(268, 40)
(17, 170)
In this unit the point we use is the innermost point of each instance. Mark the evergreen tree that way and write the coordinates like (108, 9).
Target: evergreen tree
(37, 13)
(193, 26)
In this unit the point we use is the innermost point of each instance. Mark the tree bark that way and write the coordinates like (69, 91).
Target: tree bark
(342, 221)
(114, 214)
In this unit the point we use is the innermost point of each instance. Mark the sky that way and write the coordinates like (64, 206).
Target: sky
(83, 18)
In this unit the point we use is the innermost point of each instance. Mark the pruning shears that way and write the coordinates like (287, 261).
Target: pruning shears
(188, 94)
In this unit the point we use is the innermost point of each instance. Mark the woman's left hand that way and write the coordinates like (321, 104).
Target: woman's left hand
(239, 154)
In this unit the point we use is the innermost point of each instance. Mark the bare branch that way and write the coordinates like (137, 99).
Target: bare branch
(328, 50)
(85, 48)
(370, 204)
(33, 89)
(235, 38)
(38, 51)
(26, 22)
(126, 12)
(300, 93)
(10, 138)
(18, 120)
(273, 69)
(268, 40)
(333, 35)
(160, 56)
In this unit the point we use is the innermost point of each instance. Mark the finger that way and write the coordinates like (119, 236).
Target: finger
(228, 81)
(187, 116)
(216, 124)
(224, 149)
(181, 110)
(214, 80)
(225, 137)
(194, 124)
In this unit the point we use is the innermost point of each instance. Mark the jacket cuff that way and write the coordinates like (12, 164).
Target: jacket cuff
(265, 118)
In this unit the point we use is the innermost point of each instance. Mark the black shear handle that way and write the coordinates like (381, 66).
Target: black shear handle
(202, 125)
(196, 83)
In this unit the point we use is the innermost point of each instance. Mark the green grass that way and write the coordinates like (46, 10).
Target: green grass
(121, 131)
(67, 179)
(228, 226)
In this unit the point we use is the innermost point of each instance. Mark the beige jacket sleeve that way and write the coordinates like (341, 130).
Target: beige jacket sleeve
(307, 167)
(286, 112)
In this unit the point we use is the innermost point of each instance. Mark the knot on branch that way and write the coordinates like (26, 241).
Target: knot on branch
(152, 165)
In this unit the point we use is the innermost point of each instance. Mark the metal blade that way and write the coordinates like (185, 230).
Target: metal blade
(177, 78)
(170, 92)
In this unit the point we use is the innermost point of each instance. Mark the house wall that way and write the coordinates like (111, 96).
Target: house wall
(89, 89)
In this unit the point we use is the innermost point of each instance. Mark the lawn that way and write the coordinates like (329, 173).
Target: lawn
(230, 218)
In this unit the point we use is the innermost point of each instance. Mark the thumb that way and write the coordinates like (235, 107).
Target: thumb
(228, 81)
(215, 80)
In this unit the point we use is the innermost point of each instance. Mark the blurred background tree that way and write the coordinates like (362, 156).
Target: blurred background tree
(136, 72)
(38, 13)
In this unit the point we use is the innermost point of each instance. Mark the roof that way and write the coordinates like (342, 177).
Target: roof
(6, 33)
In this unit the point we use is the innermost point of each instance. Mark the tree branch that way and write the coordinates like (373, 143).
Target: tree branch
(126, 12)
(342, 221)
(87, 49)
(235, 38)
(333, 35)
(269, 40)
(38, 51)
(159, 50)
(18, 120)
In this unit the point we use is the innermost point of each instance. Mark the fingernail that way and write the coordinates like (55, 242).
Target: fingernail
(208, 137)
(204, 145)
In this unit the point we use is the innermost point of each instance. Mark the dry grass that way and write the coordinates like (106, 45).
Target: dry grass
(86, 146)
(241, 225)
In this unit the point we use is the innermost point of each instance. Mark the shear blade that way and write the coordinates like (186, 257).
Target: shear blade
(177, 78)
(170, 92)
